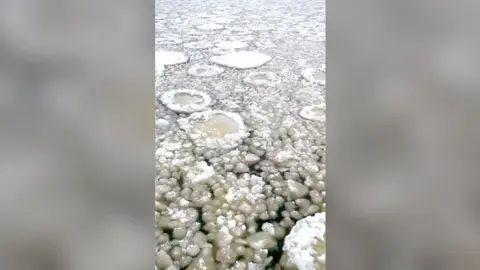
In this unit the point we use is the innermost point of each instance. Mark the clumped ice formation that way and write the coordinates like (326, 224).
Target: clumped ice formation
(186, 100)
(304, 246)
(236, 176)
(242, 59)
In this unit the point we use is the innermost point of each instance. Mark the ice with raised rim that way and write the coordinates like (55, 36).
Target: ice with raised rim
(314, 112)
(242, 59)
(199, 138)
(168, 99)
(170, 58)
(262, 78)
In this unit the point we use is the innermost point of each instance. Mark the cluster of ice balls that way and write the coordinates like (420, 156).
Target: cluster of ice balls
(304, 247)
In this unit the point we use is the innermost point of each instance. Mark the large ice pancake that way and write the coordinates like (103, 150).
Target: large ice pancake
(186, 100)
(170, 58)
(215, 129)
(241, 59)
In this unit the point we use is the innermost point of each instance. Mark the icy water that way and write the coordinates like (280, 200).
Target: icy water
(227, 200)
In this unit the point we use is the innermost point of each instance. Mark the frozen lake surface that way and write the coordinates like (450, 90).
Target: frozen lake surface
(240, 133)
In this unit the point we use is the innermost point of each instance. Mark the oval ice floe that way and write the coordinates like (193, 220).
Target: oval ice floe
(215, 129)
(241, 59)
(314, 112)
(261, 78)
(170, 58)
(204, 70)
(186, 100)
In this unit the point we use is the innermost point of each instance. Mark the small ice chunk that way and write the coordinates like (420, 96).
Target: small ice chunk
(200, 173)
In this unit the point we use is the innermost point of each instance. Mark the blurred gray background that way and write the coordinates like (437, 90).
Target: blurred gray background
(403, 103)
(76, 134)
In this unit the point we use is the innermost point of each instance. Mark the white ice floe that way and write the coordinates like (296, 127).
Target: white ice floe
(210, 26)
(204, 70)
(170, 58)
(301, 244)
(242, 59)
(215, 129)
(262, 78)
(314, 112)
(314, 75)
(186, 100)
(168, 39)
